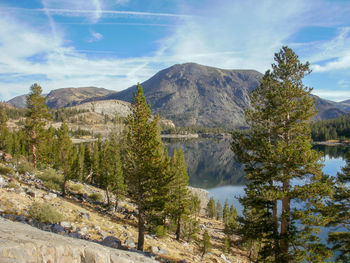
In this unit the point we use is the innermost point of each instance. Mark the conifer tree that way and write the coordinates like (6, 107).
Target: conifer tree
(225, 212)
(276, 151)
(36, 117)
(96, 162)
(218, 210)
(179, 194)
(339, 211)
(66, 154)
(205, 244)
(111, 177)
(211, 208)
(4, 132)
(145, 166)
(87, 164)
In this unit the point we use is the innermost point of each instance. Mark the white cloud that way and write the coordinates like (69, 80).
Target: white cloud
(95, 36)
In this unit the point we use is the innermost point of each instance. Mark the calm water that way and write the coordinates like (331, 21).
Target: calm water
(211, 166)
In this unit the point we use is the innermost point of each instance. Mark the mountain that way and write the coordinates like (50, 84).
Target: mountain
(193, 94)
(64, 97)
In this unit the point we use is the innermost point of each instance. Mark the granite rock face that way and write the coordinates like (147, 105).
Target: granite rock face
(24, 244)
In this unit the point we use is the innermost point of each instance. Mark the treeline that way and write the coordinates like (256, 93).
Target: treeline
(334, 129)
(193, 129)
(134, 165)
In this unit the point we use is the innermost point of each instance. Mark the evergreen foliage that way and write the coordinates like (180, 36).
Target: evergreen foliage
(211, 208)
(339, 212)
(276, 151)
(334, 129)
(179, 194)
(205, 244)
(218, 210)
(145, 165)
(65, 153)
(36, 118)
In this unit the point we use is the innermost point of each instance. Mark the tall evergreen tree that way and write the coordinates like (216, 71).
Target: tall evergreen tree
(36, 117)
(4, 131)
(145, 166)
(66, 155)
(276, 151)
(218, 210)
(339, 210)
(111, 177)
(179, 194)
(226, 212)
(211, 208)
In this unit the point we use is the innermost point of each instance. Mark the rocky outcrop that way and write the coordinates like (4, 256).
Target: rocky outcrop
(22, 243)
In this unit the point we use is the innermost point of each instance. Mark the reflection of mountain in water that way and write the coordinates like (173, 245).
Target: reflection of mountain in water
(335, 151)
(210, 162)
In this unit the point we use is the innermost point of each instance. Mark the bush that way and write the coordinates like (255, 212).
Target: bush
(5, 170)
(44, 213)
(24, 167)
(51, 179)
(76, 188)
(11, 185)
(96, 197)
(160, 231)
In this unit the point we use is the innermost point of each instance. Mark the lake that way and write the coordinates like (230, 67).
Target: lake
(211, 166)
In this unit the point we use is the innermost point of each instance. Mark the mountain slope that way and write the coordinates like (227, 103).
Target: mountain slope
(64, 97)
(192, 94)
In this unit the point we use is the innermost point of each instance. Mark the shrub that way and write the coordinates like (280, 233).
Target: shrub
(6, 170)
(76, 188)
(51, 179)
(44, 213)
(24, 167)
(96, 197)
(11, 185)
(160, 231)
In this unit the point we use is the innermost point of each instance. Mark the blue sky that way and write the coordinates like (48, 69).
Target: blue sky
(116, 43)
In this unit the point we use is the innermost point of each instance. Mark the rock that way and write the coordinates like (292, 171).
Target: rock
(30, 192)
(202, 227)
(57, 228)
(21, 218)
(49, 196)
(224, 258)
(97, 227)
(162, 251)
(85, 215)
(2, 182)
(154, 249)
(84, 231)
(111, 241)
(23, 243)
(129, 242)
(66, 225)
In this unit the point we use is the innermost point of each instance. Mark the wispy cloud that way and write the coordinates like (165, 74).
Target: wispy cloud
(67, 12)
(95, 36)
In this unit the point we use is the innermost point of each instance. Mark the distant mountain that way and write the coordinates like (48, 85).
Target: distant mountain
(64, 97)
(192, 94)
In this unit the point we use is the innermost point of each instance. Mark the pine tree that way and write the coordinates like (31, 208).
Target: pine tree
(205, 244)
(36, 118)
(211, 208)
(339, 211)
(218, 210)
(5, 140)
(96, 162)
(225, 213)
(145, 166)
(111, 175)
(179, 194)
(276, 151)
(66, 155)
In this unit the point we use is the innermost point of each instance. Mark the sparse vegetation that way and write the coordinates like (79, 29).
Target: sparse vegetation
(6, 170)
(44, 213)
(96, 197)
(51, 179)
(25, 167)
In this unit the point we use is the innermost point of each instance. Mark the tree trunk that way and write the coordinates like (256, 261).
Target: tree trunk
(275, 228)
(108, 199)
(178, 229)
(64, 186)
(116, 204)
(284, 244)
(141, 227)
(34, 154)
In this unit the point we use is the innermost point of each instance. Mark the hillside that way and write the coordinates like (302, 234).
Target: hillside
(64, 97)
(192, 94)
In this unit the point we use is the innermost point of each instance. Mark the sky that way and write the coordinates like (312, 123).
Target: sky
(115, 44)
